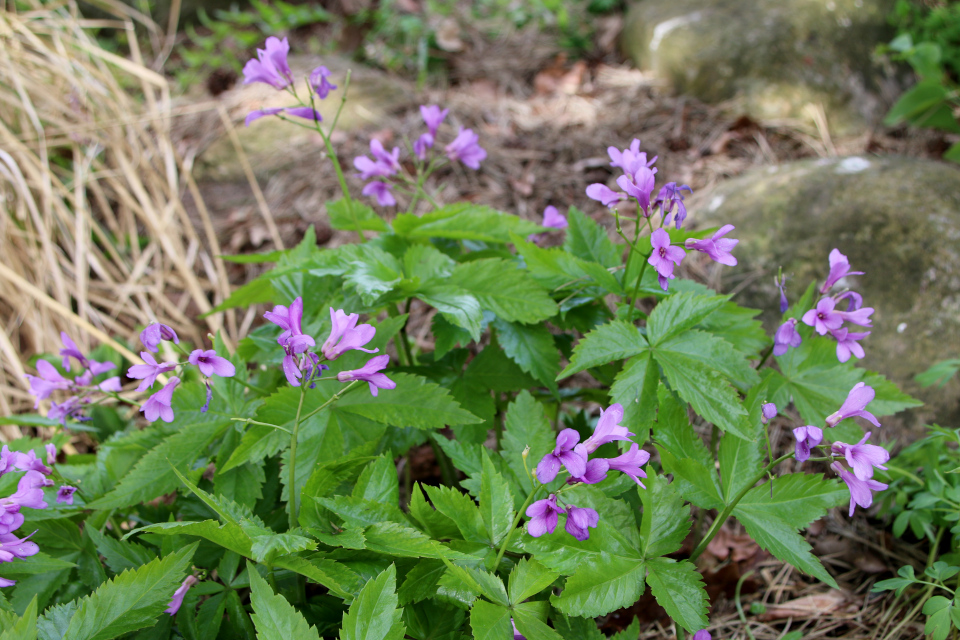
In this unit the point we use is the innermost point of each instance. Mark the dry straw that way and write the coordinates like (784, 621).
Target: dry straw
(94, 238)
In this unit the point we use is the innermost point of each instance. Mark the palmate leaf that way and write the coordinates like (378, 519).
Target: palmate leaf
(528, 579)
(496, 503)
(526, 426)
(597, 588)
(490, 621)
(505, 289)
(373, 615)
(680, 312)
(414, 403)
(352, 215)
(464, 221)
(715, 353)
(666, 519)
(555, 267)
(530, 619)
(589, 241)
(531, 347)
(679, 589)
(610, 342)
(133, 600)
(635, 388)
(26, 627)
(798, 498)
(274, 617)
(457, 305)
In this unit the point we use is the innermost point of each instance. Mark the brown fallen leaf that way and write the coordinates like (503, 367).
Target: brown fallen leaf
(725, 543)
(808, 606)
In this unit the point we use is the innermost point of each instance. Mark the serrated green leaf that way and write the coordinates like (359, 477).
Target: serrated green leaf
(492, 369)
(680, 312)
(679, 589)
(378, 482)
(38, 563)
(597, 588)
(506, 290)
(531, 347)
(434, 523)
(274, 617)
(461, 509)
(558, 270)
(589, 241)
(490, 622)
(359, 513)
(464, 221)
(578, 628)
(352, 215)
(783, 541)
(421, 581)
(415, 402)
(613, 341)
(447, 335)
(120, 555)
(817, 383)
(373, 615)
(526, 426)
(635, 388)
(52, 625)
(666, 519)
(265, 544)
(229, 536)
(482, 582)
(798, 498)
(133, 600)
(530, 625)
(397, 540)
(496, 503)
(372, 273)
(457, 305)
(715, 353)
(26, 627)
(528, 579)
(889, 399)
(335, 576)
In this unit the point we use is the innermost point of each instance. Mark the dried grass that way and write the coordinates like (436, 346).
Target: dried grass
(96, 241)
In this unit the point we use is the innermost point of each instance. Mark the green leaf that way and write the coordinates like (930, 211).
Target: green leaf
(357, 512)
(461, 509)
(426, 262)
(434, 523)
(506, 290)
(274, 617)
(395, 539)
(674, 432)
(889, 399)
(447, 335)
(531, 347)
(798, 498)
(577, 628)
(335, 576)
(528, 579)
(457, 305)
(558, 270)
(530, 625)
(492, 369)
(496, 503)
(37, 563)
(938, 610)
(414, 403)
(737, 325)
(680, 312)
(589, 241)
(351, 215)
(941, 373)
(679, 589)
(666, 519)
(464, 221)
(266, 545)
(373, 615)
(154, 474)
(120, 555)
(229, 536)
(526, 426)
(26, 627)
(133, 600)
(714, 353)
(599, 587)
(783, 541)
(374, 273)
(483, 582)
(817, 383)
(608, 343)
(635, 388)
(490, 622)
(421, 581)
(378, 482)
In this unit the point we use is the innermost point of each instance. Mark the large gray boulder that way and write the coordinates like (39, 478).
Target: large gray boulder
(775, 56)
(897, 219)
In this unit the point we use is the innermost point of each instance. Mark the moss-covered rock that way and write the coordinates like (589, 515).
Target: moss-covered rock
(776, 56)
(897, 219)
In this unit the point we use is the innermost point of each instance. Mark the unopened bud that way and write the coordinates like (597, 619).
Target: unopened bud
(526, 452)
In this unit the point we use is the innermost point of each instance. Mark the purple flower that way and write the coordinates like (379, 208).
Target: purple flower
(319, 83)
(807, 438)
(861, 456)
(65, 494)
(856, 300)
(178, 595)
(781, 282)
(671, 195)
(381, 191)
(12, 547)
(604, 194)
(370, 373)
(111, 385)
(768, 412)
(630, 463)
(639, 185)
(465, 149)
(860, 490)
(71, 350)
(206, 404)
(580, 520)
(154, 333)
(562, 455)
(855, 405)
(158, 405)
(516, 632)
(703, 634)
(433, 116)
(382, 164)
(786, 336)
(839, 268)
(596, 469)
(21, 461)
(629, 159)
(543, 516)
(29, 493)
(664, 256)
(307, 113)
(857, 316)
(10, 517)
(847, 344)
(51, 452)
(608, 429)
(823, 318)
(292, 339)
(270, 66)
(147, 373)
(47, 382)
(72, 407)
(717, 247)
(553, 219)
(424, 142)
(346, 335)
(210, 363)
(4, 582)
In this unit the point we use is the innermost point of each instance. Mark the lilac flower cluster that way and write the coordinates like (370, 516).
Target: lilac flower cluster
(465, 148)
(303, 366)
(29, 494)
(271, 67)
(863, 458)
(574, 456)
(83, 387)
(826, 319)
(638, 182)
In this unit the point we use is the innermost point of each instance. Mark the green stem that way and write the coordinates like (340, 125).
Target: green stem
(262, 424)
(636, 289)
(448, 474)
(516, 521)
(763, 359)
(293, 461)
(727, 510)
(405, 337)
(736, 598)
(343, 101)
(335, 397)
